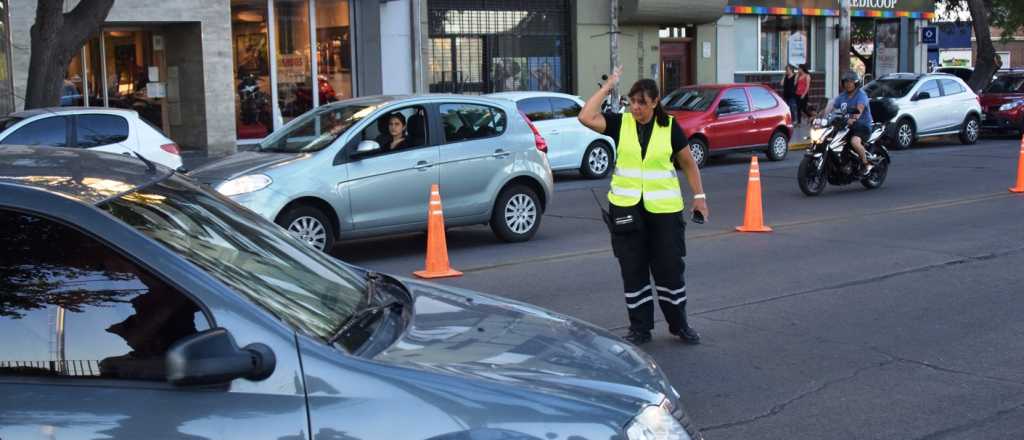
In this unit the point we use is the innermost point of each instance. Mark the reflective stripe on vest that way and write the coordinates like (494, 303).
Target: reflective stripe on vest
(652, 176)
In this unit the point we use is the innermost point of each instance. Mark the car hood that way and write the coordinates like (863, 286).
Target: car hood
(240, 164)
(464, 333)
(997, 99)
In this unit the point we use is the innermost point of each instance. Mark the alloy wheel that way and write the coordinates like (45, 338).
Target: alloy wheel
(779, 147)
(598, 161)
(309, 230)
(972, 130)
(520, 213)
(905, 136)
(697, 151)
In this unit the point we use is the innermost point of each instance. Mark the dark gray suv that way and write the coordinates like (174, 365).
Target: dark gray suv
(136, 303)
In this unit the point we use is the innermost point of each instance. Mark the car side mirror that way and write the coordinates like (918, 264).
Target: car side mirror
(212, 357)
(366, 147)
(922, 95)
(721, 111)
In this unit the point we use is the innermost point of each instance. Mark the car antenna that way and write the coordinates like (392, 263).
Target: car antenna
(150, 165)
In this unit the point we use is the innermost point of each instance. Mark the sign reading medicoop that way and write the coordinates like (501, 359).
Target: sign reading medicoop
(895, 5)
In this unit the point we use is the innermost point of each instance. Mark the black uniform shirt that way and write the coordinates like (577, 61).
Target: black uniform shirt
(613, 124)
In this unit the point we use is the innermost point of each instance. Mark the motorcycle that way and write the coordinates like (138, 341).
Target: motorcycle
(253, 100)
(832, 159)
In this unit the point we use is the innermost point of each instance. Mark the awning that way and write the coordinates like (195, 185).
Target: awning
(670, 12)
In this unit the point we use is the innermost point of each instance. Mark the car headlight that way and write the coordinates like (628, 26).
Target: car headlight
(244, 184)
(655, 422)
(1011, 105)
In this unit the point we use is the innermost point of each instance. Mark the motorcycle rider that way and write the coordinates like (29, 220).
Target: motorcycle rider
(860, 124)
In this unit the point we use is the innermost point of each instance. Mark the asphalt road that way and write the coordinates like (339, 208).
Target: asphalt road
(886, 314)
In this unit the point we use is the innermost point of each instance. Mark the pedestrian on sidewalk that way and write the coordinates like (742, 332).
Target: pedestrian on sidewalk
(645, 206)
(789, 90)
(803, 88)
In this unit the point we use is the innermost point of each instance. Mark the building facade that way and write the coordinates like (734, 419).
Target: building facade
(216, 73)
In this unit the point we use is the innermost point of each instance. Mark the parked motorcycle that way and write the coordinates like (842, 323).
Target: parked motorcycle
(832, 159)
(253, 101)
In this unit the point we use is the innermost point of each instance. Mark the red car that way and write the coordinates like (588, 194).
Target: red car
(725, 118)
(1003, 103)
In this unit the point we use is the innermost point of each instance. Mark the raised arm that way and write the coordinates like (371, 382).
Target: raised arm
(591, 115)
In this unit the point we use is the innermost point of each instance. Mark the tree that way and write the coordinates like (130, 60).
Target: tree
(56, 37)
(1005, 15)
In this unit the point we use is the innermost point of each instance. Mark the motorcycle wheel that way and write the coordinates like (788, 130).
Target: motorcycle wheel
(877, 176)
(811, 179)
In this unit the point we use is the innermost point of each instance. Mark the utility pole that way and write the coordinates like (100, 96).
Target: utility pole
(844, 37)
(614, 35)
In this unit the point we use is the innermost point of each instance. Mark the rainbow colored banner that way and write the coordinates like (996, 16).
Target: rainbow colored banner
(877, 13)
(762, 10)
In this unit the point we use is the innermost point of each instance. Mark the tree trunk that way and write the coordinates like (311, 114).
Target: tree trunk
(56, 38)
(985, 65)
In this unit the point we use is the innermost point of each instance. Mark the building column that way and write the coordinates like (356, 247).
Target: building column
(367, 38)
(396, 49)
(707, 66)
(725, 51)
(832, 70)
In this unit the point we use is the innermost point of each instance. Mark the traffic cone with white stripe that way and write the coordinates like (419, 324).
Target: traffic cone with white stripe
(753, 217)
(437, 247)
(1020, 170)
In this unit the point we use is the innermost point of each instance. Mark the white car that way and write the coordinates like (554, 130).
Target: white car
(96, 128)
(929, 104)
(571, 146)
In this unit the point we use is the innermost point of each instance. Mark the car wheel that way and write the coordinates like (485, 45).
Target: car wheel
(516, 215)
(310, 225)
(778, 146)
(969, 130)
(904, 136)
(597, 160)
(699, 151)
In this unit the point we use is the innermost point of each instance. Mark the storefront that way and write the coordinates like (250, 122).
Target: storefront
(884, 35)
(213, 76)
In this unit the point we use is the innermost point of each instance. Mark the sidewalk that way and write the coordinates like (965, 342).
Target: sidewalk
(799, 139)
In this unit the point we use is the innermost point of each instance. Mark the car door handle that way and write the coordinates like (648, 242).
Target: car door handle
(501, 154)
(554, 132)
(751, 117)
(423, 165)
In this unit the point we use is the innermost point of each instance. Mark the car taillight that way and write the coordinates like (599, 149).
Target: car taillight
(542, 145)
(171, 148)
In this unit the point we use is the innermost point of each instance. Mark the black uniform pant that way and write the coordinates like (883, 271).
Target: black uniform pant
(656, 248)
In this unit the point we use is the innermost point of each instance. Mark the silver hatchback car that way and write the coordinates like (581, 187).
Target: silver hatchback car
(364, 167)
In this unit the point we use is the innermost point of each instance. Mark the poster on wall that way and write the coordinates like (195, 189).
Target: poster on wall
(887, 48)
(797, 48)
(955, 58)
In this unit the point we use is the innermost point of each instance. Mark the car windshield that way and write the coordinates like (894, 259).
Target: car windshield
(889, 88)
(316, 129)
(1006, 84)
(8, 122)
(694, 100)
(303, 287)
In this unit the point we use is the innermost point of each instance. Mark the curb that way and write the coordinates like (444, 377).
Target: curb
(799, 145)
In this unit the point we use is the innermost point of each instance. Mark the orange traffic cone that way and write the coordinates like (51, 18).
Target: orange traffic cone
(1020, 171)
(437, 246)
(753, 218)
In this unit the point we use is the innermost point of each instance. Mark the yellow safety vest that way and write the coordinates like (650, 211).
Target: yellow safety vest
(651, 176)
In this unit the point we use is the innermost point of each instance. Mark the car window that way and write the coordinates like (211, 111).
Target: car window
(51, 131)
(98, 130)
(1006, 84)
(951, 87)
(85, 311)
(565, 108)
(471, 121)
(763, 99)
(410, 123)
(690, 99)
(9, 122)
(889, 88)
(733, 101)
(537, 109)
(931, 87)
(316, 129)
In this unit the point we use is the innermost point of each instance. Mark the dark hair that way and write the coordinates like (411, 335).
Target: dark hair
(805, 68)
(649, 89)
(398, 116)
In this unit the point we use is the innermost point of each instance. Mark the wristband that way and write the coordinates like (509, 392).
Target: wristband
(700, 196)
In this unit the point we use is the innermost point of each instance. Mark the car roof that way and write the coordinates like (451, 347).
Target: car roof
(515, 96)
(916, 76)
(84, 175)
(25, 114)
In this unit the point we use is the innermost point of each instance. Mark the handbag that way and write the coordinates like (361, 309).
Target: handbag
(621, 220)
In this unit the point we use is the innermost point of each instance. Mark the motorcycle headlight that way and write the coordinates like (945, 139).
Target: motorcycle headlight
(244, 184)
(1011, 105)
(817, 134)
(655, 422)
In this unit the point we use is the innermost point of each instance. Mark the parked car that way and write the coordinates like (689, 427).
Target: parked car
(102, 129)
(726, 118)
(964, 73)
(170, 312)
(927, 104)
(1003, 103)
(571, 145)
(325, 175)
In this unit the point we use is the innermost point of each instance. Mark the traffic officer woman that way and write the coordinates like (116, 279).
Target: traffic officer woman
(645, 206)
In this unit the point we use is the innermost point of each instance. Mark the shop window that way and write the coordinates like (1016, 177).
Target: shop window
(86, 311)
(253, 118)
(334, 50)
(294, 66)
(784, 40)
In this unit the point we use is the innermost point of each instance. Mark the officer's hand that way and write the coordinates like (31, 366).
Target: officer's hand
(613, 79)
(701, 205)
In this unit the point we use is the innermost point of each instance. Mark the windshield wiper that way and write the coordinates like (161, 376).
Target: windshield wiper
(365, 310)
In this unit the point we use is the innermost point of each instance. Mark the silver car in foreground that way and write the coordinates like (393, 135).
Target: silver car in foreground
(332, 174)
(171, 313)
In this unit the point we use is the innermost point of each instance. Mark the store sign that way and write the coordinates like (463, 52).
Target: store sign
(955, 58)
(797, 49)
(923, 9)
(929, 35)
(828, 8)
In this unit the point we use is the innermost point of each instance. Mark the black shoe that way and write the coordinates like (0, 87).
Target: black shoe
(638, 337)
(688, 335)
